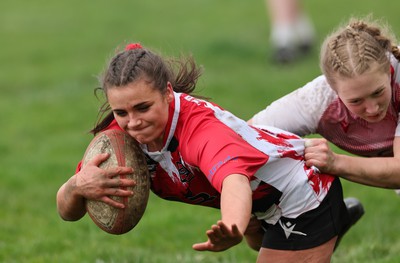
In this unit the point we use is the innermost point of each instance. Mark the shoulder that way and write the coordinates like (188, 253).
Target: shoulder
(299, 111)
(318, 94)
(313, 96)
(317, 87)
(198, 122)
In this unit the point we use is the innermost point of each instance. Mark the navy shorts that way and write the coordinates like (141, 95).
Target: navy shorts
(312, 228)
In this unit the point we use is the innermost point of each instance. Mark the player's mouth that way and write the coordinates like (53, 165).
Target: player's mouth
(142, 135)
(376, 117)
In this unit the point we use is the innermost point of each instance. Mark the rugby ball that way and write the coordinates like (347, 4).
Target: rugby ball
(124, 151)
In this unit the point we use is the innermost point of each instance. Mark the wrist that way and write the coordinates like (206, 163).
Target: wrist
(339, 164)
(71, 187)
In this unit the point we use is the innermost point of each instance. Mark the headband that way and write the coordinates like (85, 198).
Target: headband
(133, 46)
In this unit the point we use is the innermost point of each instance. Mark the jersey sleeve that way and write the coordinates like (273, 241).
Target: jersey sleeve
(298, 112)
(219, 152)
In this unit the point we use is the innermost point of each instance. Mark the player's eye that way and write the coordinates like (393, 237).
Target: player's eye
(378, 93)
(120, 113)
(355, 102)
(143, 108)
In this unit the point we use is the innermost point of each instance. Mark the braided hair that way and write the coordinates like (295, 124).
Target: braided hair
(357, 48)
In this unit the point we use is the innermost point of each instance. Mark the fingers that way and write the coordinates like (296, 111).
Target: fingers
(315, 142)
(118, 192)
(319, 155)
(314, 161)
(202, 246)
(220, 237)
(119, 170)
(312, 142)
(221, 231)
(315, 149)
(307, 143)
(98, 159)
(217, 232)
(105, 183)
(235, 231)
(112, 202)
(214, 235)
(98, 184)
(119, 183)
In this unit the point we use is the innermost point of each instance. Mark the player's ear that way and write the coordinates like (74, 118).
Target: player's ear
(170, 92)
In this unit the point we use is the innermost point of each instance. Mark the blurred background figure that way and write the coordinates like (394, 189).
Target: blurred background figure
(292, 32)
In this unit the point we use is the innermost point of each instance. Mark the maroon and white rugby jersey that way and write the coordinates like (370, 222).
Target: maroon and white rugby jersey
(316, 109)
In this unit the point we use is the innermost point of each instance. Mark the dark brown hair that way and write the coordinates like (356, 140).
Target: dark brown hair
(139, 63)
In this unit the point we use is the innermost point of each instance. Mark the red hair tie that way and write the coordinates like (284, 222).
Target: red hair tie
(133, 46)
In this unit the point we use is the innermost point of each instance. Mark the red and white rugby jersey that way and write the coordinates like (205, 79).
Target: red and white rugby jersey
(204, 144)
(316, 108)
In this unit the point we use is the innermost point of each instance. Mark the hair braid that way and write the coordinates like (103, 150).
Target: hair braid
(362, 49)
(385, 42)
(114, 69)
(396, 52)
(128, 72)
(354, 49)
(337, 63)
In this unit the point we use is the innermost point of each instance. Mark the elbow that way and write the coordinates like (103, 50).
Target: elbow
(68, 212)
(386, 183)
(70, 216)
(69, 208)
(394, 185)
(395, 182)
(390, 181)
(65, 217)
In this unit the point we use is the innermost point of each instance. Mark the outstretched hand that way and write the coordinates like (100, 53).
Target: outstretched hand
(220, 238)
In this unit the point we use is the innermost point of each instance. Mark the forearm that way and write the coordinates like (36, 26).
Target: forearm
(236, 201)
(380, 171)
(70, 205)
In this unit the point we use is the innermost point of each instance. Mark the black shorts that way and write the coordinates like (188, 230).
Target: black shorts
(312, 228)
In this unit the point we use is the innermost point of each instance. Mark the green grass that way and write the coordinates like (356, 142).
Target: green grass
(51, 53)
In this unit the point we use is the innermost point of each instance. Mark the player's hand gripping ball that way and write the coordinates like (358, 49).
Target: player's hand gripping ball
(124, 151)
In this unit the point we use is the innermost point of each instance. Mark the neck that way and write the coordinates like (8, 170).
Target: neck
(155, 145)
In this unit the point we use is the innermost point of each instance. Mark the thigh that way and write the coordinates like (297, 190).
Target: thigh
(319, 254)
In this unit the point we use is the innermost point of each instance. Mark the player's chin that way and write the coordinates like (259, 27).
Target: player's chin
(142, 138)
(135, 135)
(146, 136)
(141, 135)
(374, 119)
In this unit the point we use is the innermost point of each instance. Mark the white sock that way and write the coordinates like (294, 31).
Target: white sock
(304, 30)
(291, 34)
(283, 35)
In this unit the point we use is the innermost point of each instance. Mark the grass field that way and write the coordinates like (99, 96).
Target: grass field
(51, 53)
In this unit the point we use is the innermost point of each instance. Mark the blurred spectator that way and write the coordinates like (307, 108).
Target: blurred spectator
(292, 32)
